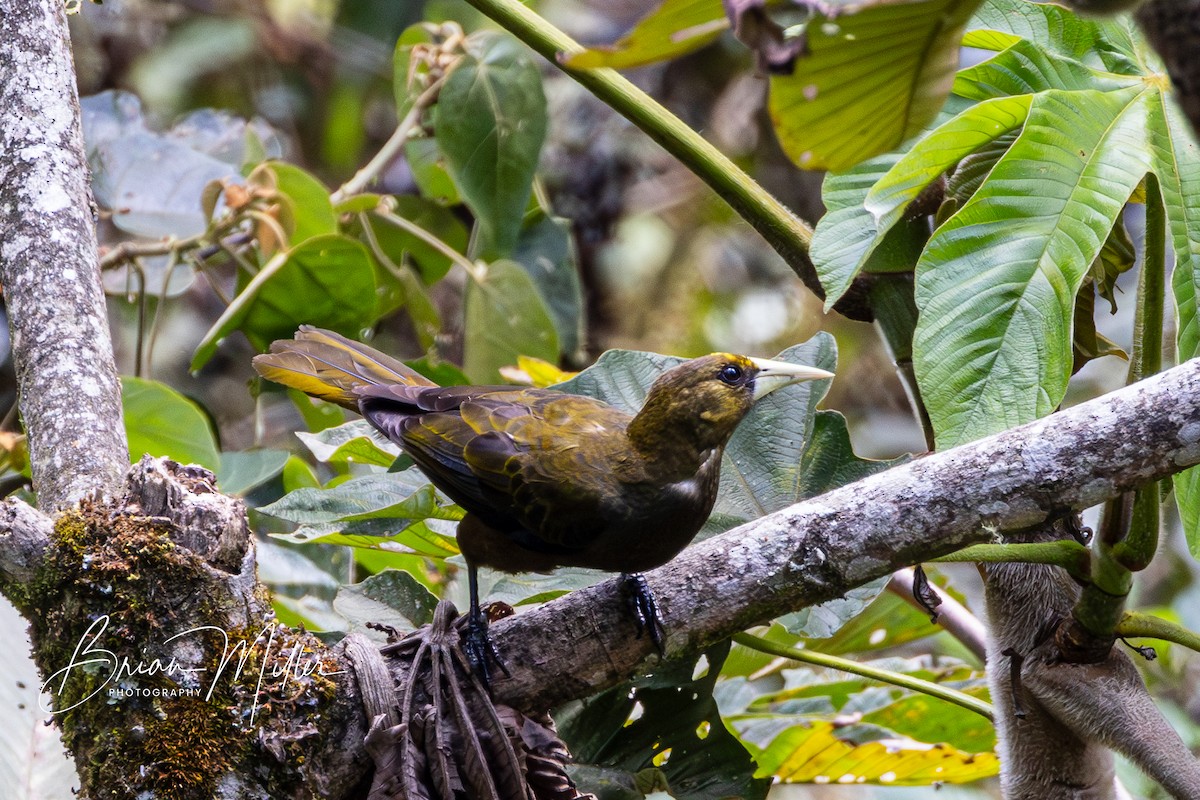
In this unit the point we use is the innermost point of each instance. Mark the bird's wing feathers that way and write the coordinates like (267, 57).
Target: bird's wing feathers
(521, 459)
(327, 365)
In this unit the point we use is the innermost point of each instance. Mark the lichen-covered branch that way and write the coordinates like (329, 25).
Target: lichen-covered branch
(819, 549)
(70, 398)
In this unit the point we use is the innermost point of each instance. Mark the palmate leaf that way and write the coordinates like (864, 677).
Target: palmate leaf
(1177, 161)
(867, 80)
(862, 232)
(996, 284)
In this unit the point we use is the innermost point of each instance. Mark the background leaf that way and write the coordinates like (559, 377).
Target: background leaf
(546, 250)
(327, 281)
(505, 317)
(867, 81)
(881, 733)
(244, 470)
(162, 422)
(673, 29)
(667, 721)
(392, 597)
(1004, 271)
(490, 122)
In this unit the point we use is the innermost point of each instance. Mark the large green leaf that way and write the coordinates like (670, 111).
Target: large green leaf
(546, 249)
(673, 29)
(1025, 68)
(392, 597)
(847, 240)
(162, 422)
(940, 150)
(1177, 164)
(505, 317)
(867, 80)
(353, 442)
(244, 470)
(327, 281)
(310, 209)
(861, 229)
(387, 496)
(490, 123)
(398, 512)
(1101, 43)
(663, 728)
(996, 285)
(398, 243)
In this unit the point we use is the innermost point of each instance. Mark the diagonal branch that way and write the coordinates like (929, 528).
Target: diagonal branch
(819, 549)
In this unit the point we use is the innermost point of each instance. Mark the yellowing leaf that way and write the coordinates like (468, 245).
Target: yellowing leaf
(535, 372)
(812, 753)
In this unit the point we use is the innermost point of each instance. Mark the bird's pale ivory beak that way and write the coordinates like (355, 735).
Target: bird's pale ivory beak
(774, 375)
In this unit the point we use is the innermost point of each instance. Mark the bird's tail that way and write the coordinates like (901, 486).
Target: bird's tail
(329, 366)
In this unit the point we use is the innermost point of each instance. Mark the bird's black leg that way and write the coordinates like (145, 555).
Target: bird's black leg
(644, 608)
(480, 650)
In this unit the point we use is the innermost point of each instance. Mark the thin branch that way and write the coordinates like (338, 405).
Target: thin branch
(1134, 625)
(961, 699)
(391, 148)
(1070, 555)
(817, 550)
(782, 229)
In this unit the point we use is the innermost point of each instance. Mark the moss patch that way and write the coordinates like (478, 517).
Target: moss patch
(113, 590)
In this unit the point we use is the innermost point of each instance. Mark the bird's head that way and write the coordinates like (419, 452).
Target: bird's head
(704, 399)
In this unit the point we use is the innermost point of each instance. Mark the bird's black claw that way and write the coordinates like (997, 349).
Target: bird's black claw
(644, 608)
(481, 650)
(925, 595)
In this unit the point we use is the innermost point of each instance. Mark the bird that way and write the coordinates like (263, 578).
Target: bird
(546, 478)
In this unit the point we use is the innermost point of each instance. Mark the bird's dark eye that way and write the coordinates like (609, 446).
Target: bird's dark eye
(731, 373)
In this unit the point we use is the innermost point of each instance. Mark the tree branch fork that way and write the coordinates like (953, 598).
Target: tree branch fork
(815, 550)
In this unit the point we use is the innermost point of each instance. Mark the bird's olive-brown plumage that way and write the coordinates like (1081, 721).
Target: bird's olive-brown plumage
(549, 479)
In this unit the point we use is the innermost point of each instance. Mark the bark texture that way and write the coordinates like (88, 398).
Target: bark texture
(70, 396)
(191, 690)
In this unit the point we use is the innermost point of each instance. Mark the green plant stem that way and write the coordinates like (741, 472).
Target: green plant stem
(391, 148)
(1134, 625)
(416, 230)
(893, 304)
(1130, 522)
(1070, 555)
(782, 229)
(1136, 549)
(930, 688)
